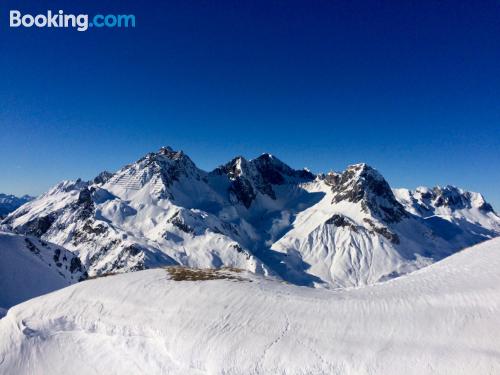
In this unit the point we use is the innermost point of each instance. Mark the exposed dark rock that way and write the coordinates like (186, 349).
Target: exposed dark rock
(384, 231)
(361, 183)
(454, 198)
(178, 222)
(38, 226)
(425, 200)
(133, 250)
(96, 230)
(243, 191)
(170, 165)
(486, 207)
(259, 175)
(239, 249)
(85, 204)
(102, 177)
(31, 246)
(341, 221)
(87, 232)
(123, 259)
(76, 265)
(104, 250)
(57, 254)
(426, 195)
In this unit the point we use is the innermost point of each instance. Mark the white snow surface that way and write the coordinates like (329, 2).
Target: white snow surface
(30, 267)
(443, 319)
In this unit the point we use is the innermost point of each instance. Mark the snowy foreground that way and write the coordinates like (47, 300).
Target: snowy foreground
(443, 319)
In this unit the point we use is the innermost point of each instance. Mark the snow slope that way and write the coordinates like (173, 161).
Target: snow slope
(360, 233)
(30, 267)
(442, 319)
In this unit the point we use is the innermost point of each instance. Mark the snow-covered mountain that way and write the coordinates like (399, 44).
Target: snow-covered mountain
(9, 203)
(339, 229)
(361, 233)
(442, 319)
(468, 213)
(30, 267)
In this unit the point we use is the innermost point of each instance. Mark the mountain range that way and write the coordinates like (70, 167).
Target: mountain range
(340, 229)
(9, 203)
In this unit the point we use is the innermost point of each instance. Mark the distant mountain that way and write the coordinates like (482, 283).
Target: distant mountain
(30, 267)
(337, 229)
(9, 203)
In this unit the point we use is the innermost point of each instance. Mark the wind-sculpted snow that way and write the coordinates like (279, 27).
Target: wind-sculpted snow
(335, 230)
(442, 319)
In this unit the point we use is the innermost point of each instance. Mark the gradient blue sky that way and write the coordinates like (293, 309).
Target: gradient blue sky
(410, 87)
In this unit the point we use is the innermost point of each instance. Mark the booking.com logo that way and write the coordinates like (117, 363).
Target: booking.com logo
(79, 21)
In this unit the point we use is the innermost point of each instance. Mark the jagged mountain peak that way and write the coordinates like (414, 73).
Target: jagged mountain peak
(275, 172)
(171, 153)
(364, 171)
(251, 177)
(457, 198)
(234, 168)
(168, 154)
(102, 177)
(364, 184)
(66, 186)
(447, 197)
(158, 169)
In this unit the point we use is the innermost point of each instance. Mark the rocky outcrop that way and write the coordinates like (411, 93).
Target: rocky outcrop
(361, 183)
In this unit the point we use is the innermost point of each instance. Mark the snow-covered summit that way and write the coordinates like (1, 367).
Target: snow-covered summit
(426, 200)
(340, 229)
(362, 183)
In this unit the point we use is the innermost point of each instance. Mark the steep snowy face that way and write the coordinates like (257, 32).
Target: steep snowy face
(362, 232)
(362, 184)
(9, 203)
(30, 267)
(357, 235)
(155, 174)
(38, 216)
(258, 176)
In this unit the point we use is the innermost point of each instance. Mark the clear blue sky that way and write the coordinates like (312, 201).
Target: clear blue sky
(410, 87)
